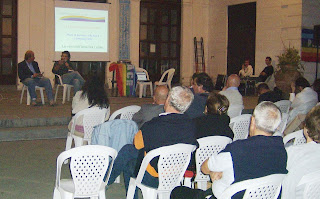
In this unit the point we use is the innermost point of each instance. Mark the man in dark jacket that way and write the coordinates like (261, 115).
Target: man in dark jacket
(29, 74)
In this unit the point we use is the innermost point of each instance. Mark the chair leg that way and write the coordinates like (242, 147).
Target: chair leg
(42, 96)
(64, 94)
(140, 91)
(151, 90)
(55, 97)
(22, 93)
(131, 189)
(144, 90)
(28, 97)
(202, 185)
(69, 142)
(56, 193)
(68, 92)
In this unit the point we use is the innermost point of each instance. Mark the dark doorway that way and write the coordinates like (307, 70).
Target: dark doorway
(8, 42)
(241, 36)
(160, 24)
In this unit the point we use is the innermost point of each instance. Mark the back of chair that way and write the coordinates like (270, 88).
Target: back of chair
(59, 79)
(311, 183)
(208, 146)
(172, 164)
(297, 136)
(267, 187)
(283, 105)
(91, 118)
(283, 124)
(125, 112)
(170, 73)
(143, 70)
(235, 110)
(240, 126)
(88, 166)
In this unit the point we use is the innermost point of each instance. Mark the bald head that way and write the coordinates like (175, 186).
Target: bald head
(160, 94)
(233, 81)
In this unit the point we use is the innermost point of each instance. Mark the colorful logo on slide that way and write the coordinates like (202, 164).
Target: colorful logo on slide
(83, 18)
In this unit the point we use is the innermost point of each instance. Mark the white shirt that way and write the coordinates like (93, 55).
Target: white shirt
(302, 159)
(246, 72)
(233, 95)
(221, 162)
(302, 102)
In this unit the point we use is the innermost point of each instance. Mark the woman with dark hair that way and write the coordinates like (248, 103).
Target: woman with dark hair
(215, 121)
(64, 68)
(92, 94)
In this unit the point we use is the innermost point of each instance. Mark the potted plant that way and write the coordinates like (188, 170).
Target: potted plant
(289, 69)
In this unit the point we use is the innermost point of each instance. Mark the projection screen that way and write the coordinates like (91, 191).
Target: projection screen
(82, 29)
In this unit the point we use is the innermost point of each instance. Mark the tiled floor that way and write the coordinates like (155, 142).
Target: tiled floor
(28, 168)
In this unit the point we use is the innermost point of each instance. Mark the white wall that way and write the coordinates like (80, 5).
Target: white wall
(278, 23)
(194, 23)
(310, 17)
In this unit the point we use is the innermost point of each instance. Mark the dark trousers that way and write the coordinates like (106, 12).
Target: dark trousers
(126, 163)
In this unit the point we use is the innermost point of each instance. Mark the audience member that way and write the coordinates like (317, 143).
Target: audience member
(149, 111)
(303, 98)
(316, 87)
(194, 76)
(231, 90)
(67, 72)
(265, 94)
(303, 159)
(260, 155)
(246, 70)
(215, 121)
(169, 128)
(267, 71)
(92, 94)
(29, 74)
(202, 86)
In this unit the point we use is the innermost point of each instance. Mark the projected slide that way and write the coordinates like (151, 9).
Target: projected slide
(81, 30)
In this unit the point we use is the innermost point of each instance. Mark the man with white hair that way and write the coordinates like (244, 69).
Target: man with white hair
(171, 127)
(260, 155)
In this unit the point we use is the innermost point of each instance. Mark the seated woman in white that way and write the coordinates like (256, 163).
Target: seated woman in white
(246, 70)
(303, 159)
(92, 94)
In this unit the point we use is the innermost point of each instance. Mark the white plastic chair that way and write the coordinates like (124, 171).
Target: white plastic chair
(170, 73)
(297, 136)
(282, 126)
(208, 146)
(172, 164)
(283, 105)
(267, 187)
(144, 84)
(125, 112)
(240, 126)
(88, 166)
(28, 94)
(311, 184)
(66, 90)
(91, 117)
(235, 110)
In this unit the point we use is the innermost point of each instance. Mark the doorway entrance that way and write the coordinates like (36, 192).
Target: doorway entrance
(241, 36)
(8, 42)
(160, 26)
